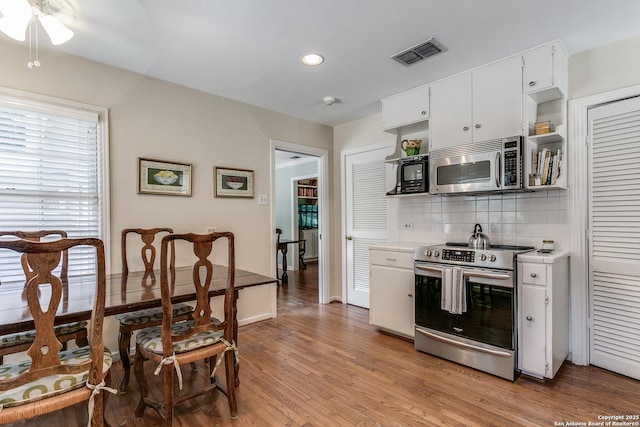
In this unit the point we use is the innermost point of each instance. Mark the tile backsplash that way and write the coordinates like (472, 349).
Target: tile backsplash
(512, 218)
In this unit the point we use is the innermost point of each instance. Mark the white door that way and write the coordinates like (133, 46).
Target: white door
(614, 216)
(365, 218)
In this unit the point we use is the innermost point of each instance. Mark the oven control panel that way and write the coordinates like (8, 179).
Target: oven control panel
(458, 255)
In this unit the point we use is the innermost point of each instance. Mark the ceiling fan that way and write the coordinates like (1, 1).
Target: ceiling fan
(18, 14)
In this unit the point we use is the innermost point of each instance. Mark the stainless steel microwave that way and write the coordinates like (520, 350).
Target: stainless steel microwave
(479, 167)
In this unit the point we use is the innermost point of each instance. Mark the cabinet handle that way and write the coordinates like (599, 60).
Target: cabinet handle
(534, 275)
(410, 295)
(532, 83)
(466, 128)
(478, 125)
(424, 113)
(391, 259)
(529, 318)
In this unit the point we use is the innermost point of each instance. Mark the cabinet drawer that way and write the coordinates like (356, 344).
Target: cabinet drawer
(391, 259)
(536, 274)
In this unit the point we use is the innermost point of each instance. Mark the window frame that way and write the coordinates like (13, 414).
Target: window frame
(48, 104)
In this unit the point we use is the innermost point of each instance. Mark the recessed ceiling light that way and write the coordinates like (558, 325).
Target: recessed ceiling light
(312, 59)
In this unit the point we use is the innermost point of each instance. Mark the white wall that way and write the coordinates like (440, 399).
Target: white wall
(159, 120)
(525, 218)
(602, 69)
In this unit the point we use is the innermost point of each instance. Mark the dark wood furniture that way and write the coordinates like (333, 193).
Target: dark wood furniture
(44, 359)
(203, 337)
(77, 331)
(123, 294)
(136, 320)
(282, 247)
(302, 250)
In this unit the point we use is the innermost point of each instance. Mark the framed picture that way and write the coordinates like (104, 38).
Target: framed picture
(233, 182)
(160, 177)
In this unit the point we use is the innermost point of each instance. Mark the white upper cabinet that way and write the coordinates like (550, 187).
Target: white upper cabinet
(450, 123)
(544, 84)
(497, 100)
(405, 108)
(544, 70)
(476, 106)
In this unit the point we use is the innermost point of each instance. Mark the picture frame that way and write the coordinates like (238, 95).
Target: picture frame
(232, 182)
(163, 177)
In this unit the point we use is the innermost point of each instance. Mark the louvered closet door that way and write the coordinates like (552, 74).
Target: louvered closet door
(615, 236)
(366, 218)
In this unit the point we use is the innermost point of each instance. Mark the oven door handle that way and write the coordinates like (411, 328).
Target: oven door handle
(426, 268)
(478, 274)
(464, 345)
(483, 275)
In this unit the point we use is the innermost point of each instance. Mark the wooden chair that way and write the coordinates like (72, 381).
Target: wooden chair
(85, 371)
(133, 321)
(173, 345)
(21, 341)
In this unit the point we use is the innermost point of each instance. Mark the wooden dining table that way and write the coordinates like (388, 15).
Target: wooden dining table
(283, 246)
(124, 293)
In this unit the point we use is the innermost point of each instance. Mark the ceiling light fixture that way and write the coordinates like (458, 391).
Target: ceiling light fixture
(17, 17)
(312, 59)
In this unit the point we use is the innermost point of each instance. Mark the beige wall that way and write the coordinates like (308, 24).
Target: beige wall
(151, 118)
(154, 119)
(602, 69)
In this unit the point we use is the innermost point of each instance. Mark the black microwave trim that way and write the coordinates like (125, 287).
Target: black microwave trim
(412, 186)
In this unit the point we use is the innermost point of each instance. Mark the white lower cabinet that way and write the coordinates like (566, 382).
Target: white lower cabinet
(311, 244)
(543, 313)
(391, 288)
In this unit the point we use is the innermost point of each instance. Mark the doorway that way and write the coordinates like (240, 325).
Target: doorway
(614, 224)
(299, 209)
(580, 227)
(364, 186)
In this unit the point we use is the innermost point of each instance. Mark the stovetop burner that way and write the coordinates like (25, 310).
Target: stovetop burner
(494, 247)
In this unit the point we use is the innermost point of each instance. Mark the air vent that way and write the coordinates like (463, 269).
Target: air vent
(419, 52)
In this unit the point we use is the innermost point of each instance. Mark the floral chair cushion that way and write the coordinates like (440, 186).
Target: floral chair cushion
(151, 338)
(149, 315)
(29, 336)
(48, 386)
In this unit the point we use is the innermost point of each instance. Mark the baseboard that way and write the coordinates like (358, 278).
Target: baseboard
(254, 319)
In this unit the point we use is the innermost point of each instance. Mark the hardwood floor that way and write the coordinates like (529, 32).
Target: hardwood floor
(324, 365)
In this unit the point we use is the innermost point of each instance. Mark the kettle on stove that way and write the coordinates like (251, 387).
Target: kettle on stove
(478, 239)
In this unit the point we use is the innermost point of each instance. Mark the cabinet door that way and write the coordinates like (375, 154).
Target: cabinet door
(538, 69)
(450, 122)
(391, 299)
(311, 244)
(497, 100)
(533, 330)
(405, 108)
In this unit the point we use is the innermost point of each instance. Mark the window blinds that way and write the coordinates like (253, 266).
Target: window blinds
(49, 177)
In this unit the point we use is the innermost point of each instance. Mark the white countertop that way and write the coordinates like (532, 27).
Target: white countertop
(540, 258)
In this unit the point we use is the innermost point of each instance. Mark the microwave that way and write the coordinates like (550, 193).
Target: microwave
(413, 175)
(479, 167)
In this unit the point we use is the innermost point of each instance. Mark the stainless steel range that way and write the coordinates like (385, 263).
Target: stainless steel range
(465, 305)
